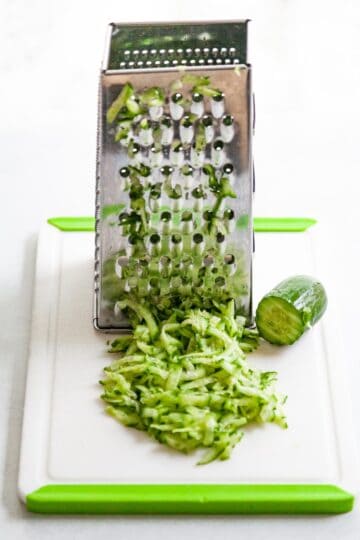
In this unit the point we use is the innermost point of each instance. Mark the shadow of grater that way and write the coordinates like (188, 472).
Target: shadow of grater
(174, 181)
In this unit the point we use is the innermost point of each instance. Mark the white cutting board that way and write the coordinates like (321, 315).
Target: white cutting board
(67, 438)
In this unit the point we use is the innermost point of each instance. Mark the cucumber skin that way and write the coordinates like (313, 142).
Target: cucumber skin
(305, 294)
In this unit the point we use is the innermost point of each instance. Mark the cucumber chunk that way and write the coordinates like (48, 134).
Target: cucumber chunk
(292, 307)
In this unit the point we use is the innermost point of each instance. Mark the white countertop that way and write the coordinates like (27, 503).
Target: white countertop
(306, 59)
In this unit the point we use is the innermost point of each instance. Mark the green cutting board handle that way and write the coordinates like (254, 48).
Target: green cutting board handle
(190, 499)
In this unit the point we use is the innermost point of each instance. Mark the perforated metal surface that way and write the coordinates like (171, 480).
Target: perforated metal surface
(184, 241)
(139, 46)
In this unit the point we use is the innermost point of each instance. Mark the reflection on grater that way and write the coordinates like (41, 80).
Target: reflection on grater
(174, 170)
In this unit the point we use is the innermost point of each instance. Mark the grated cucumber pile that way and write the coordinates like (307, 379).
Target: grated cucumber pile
(186, 380)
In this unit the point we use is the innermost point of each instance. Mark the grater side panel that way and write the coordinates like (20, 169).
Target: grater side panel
(111, 198)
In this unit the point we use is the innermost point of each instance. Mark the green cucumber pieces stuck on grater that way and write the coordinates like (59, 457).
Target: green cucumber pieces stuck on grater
(292, 307)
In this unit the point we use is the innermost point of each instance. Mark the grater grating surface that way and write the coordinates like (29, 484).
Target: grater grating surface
(174, 181)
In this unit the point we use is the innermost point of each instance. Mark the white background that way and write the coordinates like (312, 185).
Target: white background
(306, 58)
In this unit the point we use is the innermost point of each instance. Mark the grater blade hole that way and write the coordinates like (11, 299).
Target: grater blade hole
(155, 238)
(144, 261)
(186, 215)
(201, 272)
(176, 238)
(229, 259)
(165, 260)
(229, 214)
(123, 261)
(154, 282)
(198, 238)
(165, 217)
(220, 238)
(220, 281)
(208, 260)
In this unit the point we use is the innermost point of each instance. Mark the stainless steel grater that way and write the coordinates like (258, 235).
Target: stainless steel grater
(174, 182)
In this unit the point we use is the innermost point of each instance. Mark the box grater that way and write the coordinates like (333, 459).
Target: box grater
(174, 181)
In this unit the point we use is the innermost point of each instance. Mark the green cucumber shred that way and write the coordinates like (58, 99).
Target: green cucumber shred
(186, 381)
(126, 93)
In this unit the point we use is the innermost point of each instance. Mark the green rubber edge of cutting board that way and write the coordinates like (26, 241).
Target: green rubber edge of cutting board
(261, 224)
(190, 499)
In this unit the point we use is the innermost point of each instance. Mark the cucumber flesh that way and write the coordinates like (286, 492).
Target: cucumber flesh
(292, 307)
(278, 321)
